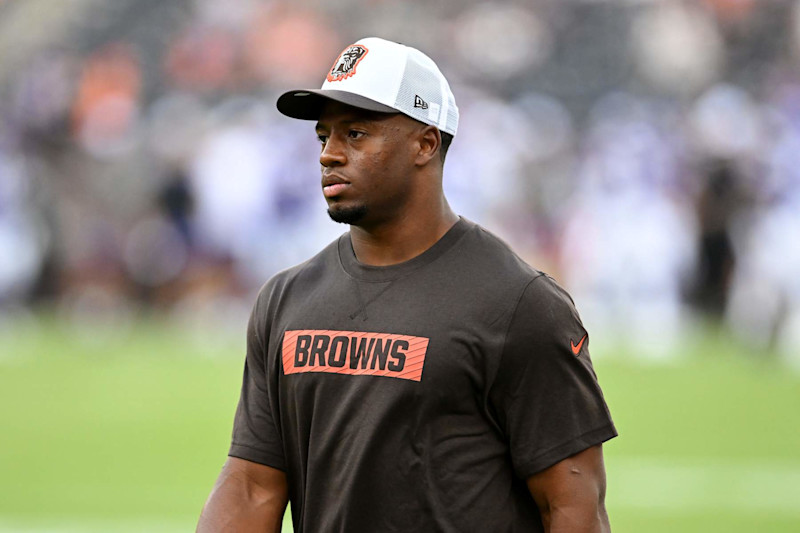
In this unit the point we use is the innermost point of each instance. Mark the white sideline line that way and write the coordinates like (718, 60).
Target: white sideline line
(658, 485)
(703, 485)
(96, 526)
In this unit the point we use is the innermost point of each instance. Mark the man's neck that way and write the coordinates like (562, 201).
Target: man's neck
(401, 240)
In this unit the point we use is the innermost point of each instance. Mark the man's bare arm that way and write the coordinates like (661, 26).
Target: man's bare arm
(246, 497)
(571, 494)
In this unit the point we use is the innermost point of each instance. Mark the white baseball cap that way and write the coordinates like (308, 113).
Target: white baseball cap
(384, 76)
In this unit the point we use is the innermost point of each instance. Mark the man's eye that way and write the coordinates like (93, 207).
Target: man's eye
(322, 138)
(353, 134)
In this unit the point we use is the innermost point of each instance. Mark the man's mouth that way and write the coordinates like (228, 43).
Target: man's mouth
(334, 189)
(333, 185)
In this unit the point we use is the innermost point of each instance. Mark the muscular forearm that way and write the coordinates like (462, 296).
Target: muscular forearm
(571, 494)
(238, 503)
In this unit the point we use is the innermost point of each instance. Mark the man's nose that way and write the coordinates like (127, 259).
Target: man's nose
(332, 153)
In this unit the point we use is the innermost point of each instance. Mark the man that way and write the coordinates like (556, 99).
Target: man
(416, 375)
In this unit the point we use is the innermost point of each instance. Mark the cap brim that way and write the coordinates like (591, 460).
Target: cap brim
(307, 104)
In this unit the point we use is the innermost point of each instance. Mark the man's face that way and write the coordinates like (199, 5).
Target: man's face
(367, 162)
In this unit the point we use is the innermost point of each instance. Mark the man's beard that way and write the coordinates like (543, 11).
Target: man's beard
(347, 215)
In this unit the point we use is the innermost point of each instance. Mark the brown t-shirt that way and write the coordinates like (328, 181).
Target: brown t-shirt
(419, 396)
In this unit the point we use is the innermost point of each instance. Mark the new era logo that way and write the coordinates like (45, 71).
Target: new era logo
(419, 102)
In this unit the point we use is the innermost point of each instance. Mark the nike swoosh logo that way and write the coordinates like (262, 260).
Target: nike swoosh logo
(576, 348)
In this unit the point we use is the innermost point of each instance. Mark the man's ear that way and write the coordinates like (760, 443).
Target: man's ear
(430, 141)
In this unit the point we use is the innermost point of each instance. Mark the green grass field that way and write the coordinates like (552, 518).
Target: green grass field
(125, 430)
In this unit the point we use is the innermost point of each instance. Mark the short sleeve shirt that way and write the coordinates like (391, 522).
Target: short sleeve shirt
(419, 396)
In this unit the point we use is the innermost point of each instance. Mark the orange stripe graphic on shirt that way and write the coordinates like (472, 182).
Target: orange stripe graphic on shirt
(355, 353)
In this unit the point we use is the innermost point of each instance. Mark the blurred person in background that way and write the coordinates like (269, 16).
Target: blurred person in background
(627, 245)
(415, 375)
(719, 202)
(764, 310)
(22, 237)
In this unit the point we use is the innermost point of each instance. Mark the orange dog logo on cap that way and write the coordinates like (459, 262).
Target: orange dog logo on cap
(345, 64)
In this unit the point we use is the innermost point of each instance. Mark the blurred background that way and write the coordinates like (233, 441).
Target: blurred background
(644, 153)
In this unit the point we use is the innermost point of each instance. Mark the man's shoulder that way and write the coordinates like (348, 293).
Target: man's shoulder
(492, 254)
(312, 269)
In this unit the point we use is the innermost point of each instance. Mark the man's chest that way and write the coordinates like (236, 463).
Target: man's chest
(423, 345)
(410, 356)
